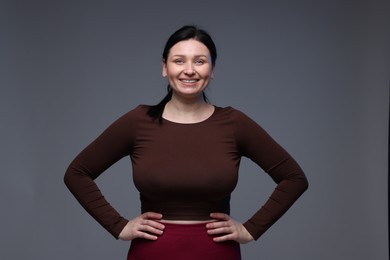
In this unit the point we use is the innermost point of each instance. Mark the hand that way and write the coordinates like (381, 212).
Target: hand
(144, 226)
(227, 229)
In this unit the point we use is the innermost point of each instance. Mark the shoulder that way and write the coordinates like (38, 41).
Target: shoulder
(133, 117)
(235, 115)
(128, 125)
(243, 126)
(139, 111)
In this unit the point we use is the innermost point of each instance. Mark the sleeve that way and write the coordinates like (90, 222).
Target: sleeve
(253, 142)
(112, 145)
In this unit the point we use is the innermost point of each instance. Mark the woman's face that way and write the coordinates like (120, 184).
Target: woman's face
(188, 68)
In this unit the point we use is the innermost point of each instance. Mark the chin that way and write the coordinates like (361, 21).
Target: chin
(189, 94)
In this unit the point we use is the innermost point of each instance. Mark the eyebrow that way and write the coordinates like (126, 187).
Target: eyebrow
(196, 56)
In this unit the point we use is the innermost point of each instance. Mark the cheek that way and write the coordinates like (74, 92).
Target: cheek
(206, 73)
(172, 71)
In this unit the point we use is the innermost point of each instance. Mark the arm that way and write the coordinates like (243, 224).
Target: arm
(112, 145)
(254, 143)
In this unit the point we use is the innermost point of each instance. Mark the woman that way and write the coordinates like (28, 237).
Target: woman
(185, 155)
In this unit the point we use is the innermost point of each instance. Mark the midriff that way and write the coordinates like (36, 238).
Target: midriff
(186, 221)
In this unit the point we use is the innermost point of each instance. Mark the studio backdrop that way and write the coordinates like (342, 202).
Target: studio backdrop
(313, 74)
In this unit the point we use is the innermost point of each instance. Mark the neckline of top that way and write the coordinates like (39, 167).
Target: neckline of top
(194, 123)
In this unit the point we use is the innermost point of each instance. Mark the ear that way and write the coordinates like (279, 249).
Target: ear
(164, 68)
(212, 72)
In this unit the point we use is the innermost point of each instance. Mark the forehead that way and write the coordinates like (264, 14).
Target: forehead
(189, 47)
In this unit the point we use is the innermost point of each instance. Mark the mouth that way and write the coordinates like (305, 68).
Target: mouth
(189, 81)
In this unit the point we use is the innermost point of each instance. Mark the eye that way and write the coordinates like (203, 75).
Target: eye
(199, 62)
(179, 61)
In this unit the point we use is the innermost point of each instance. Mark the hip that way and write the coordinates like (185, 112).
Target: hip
(184, 241)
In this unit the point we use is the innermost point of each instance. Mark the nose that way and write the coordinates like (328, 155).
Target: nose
(189, 69)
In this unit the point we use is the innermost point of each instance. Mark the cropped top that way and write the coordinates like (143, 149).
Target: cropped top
(185, 171)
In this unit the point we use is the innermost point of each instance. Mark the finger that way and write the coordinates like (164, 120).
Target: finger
(220, 216)
(151, 215)
(218, 224)
(147, 236)
(151, 229)
(153, 224)
(221, 230)
(224, 238)
(148, 232)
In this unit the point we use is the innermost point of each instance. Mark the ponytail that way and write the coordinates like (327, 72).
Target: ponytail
(156, 111)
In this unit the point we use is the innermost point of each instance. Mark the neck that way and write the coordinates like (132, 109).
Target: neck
(187, 110)
(186, 105)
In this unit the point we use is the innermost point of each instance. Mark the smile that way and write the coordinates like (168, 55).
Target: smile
(189, 80)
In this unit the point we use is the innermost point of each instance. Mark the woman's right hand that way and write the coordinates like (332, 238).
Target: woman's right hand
(144, 226)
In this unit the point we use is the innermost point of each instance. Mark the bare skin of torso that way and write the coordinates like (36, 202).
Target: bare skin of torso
(186, 221)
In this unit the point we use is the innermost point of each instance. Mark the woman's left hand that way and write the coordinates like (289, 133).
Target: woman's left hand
(225, 228)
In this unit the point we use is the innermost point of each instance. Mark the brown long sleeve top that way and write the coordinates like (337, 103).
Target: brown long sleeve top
(185, 171)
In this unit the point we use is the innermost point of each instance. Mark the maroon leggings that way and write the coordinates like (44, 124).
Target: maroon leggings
(183, 242)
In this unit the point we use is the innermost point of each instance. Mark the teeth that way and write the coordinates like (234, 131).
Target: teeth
(189, 80)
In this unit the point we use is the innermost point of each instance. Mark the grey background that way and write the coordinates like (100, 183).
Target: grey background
(314, 74)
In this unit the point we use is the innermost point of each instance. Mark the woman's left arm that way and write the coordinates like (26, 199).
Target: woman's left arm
(253, 142)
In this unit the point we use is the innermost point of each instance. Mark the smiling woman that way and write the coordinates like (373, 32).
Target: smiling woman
(185, 155)
(186, 33)
(188, 68)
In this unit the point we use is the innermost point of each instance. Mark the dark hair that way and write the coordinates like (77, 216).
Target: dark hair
(185, 33)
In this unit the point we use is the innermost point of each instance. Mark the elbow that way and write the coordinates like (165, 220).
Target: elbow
(304, 183)
(67, 178)
(71, 177)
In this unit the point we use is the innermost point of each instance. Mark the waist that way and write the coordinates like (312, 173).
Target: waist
(184, 210)
(185, 222)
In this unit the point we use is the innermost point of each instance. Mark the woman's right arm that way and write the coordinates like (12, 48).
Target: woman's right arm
(112, 145)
